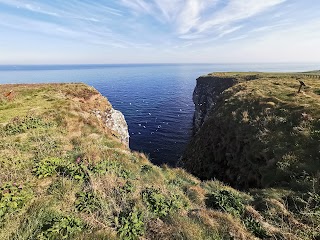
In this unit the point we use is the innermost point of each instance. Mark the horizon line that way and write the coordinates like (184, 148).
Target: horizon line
(157, 63)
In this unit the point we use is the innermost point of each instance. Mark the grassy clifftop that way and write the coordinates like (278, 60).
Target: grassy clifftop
(65, 175)
(260, 132)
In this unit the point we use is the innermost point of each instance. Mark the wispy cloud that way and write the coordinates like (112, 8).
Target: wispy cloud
(169, 9)
(149, 25)
(189, 16)
(187, 19)
(237, 10)
(232, 13)
(238, 37)
(229, 30)
(194, 19)
(70, 9)
(74, 20)
(138, 5)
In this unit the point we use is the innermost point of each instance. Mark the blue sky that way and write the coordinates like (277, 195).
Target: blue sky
(159, 31)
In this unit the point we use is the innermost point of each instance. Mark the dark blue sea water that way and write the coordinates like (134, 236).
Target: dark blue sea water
(156, 99)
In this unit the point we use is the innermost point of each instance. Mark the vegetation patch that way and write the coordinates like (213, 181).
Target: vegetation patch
(73, 170)
(146, 168)
(51, 166)
(21, 125)
(60, 227)
(255, 227)
(46, 167)
(13, 197)
(104, 167)
(130, 224)
(226, 201)
(159, 204)
(86, 202)
(128, 187)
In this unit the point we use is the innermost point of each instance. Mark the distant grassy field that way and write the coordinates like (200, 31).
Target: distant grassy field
(64, 175)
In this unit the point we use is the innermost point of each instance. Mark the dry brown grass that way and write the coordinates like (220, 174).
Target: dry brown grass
(76, 137)
(226, 224)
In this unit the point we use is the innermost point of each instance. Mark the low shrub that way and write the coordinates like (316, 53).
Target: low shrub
(128, 187)
(130, 224)
(156, 202)
(146, 168)
(12, 198)
(134, 159)
(159, 204)
(226, 201)
(229, 202)
(86, 202)
(21, 125)
(50, 166)
(77, 170)
(60, 227)
(46, 167)
(181, 181)
(72, 170)
(177, 202)
(175, 182)
(255, 227)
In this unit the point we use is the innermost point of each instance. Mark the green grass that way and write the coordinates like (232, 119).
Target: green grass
(263, 131)
(65, 176)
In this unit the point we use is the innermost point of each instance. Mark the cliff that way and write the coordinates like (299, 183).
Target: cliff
(255, 130)
(206, 95)
(115, 121)
(67, 173)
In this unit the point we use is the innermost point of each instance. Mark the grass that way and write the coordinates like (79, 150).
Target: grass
(64, 175)
(263, 131)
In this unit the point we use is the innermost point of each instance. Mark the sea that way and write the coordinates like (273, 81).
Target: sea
(156, 99)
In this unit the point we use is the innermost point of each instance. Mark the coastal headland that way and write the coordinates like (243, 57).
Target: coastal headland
(67, 171)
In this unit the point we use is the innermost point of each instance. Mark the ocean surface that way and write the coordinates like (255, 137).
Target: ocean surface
(156, 99)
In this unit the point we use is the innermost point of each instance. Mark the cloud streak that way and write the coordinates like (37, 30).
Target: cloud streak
(186, 19)
(73, 20)
(171, 26)
(194, 19)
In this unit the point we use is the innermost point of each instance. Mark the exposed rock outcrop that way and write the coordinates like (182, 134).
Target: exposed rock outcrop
(92, 101)
(115, 121)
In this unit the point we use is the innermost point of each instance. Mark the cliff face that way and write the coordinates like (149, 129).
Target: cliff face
(115, 121)
(205, 96)
(109, 118)
(255, 133)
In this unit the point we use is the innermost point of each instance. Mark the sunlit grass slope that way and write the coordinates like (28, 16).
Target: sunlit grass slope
(262, 130)
(64, 175)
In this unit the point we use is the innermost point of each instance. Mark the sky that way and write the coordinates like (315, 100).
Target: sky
(158, 31)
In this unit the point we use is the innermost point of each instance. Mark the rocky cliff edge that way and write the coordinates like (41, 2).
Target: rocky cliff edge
(255, 130)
